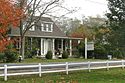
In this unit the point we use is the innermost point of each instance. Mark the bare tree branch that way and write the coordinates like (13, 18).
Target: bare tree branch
(43, 7)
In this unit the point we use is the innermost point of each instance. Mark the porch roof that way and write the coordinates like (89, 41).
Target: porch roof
(56, 37)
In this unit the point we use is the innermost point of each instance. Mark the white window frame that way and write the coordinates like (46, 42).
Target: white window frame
(33, 27)
(24, 24)
(47, 30)
(42, 26)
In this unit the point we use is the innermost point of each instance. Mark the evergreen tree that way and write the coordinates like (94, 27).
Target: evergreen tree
(116, 22)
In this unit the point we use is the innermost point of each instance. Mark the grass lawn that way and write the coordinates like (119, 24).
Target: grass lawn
(36, 60)
(95, 76)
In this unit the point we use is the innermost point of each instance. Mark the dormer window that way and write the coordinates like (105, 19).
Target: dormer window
(47, 27)
(33, 27)
(24, 26)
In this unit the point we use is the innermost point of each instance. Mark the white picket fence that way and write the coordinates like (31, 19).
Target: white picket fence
(62, 67)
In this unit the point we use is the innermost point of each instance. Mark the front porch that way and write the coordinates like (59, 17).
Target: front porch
(57, 46)
(42, 45)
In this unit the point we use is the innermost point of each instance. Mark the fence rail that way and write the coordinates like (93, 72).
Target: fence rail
(7, 70)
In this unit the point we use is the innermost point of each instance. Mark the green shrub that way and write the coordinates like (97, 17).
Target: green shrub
(117, 54)
(49, 55)
(28, 54)
(1, 56)
(81, 49)
(11, 56)
(100, 52)
(65, 55)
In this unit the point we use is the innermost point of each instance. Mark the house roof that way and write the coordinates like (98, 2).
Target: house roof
(38, 33)
(46, 19)
(56, 33)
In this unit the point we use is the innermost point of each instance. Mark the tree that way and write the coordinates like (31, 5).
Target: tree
(93, 22)
(37, 8)
(116, 18)
(67, 25)
(101, 35)
(9, 16)
(81, 32)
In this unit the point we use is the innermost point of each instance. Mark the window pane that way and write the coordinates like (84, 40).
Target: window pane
(44, 28)
(33, 26)
(49, 28)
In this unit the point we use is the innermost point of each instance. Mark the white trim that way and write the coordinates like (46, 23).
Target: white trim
(79, 41)
(46, 22)
(45, 46)
(85, 48)
(42, 27)
(47, 27)
(52, 27)
(42, 47)
(53, 47)
(70, 47)
(49, 37)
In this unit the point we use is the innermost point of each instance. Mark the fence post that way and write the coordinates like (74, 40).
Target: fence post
(67, 68)
(5, 72)
(89, 65)
(39, 69)
(122, 64)
(107, 63)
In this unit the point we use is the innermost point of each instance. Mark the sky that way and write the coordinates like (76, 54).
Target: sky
(87, 7)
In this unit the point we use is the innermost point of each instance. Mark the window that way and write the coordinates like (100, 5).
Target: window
(42, 27)
(33, 26)
(24, 26)
(47, 27)
(31, 29)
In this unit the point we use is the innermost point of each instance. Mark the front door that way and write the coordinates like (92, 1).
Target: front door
(46, 45)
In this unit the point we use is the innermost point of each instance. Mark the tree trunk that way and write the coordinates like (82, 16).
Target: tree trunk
(22, 42)
(22, 49)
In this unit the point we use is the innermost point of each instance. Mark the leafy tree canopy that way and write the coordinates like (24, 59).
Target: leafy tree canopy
(116, 18)
(9, 16)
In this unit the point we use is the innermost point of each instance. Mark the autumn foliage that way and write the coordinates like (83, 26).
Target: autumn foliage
(10, 15)
(81, 32)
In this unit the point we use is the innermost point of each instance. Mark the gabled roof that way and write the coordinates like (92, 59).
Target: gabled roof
(57, 33)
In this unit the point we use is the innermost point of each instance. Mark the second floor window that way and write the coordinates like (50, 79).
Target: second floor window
(31, 29)
(47, 27)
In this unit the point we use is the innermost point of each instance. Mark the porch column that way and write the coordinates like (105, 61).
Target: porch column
(41, 52)
(19, 45)
(23, 48)
(31, 43)
(79, 41)
(65, 45)
(62, 46)
(70, 46)
(85, 48)
(53, 48)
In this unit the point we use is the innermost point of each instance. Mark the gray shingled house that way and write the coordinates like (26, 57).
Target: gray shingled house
(50, 36)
